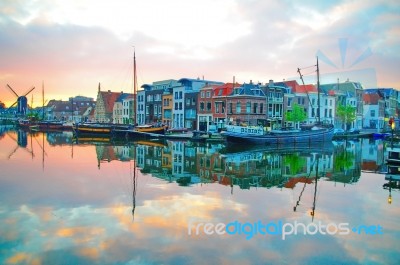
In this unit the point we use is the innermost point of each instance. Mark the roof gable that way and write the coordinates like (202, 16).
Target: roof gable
(109, 99)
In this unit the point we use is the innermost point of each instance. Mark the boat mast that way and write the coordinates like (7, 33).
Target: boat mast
(42, 100)
(134, 86)
(315, 189)
(318, 92)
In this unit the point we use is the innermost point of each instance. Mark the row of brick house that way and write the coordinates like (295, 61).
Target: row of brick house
(197, 104)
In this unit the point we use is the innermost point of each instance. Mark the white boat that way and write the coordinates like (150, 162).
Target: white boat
(393, 155)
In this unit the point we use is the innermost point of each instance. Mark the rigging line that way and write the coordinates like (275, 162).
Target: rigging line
(308, 96)
(301, 193)
(309, 73)
(307, 67)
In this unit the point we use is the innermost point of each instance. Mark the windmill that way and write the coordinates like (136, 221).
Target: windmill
(22, 101)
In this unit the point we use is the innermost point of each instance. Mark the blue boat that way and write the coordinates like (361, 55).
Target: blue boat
(258, 135)
(311, 133)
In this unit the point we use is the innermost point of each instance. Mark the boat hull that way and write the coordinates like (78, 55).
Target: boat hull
(271, 138)
(98, 129)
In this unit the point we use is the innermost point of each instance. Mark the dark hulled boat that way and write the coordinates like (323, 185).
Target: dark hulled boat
(258, 135)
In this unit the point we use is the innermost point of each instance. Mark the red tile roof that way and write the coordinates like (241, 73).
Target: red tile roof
(296, 88)
(226, 89)
(371, 99)
(109, 99)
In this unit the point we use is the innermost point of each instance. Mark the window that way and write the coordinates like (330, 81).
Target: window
(261, 108)
(180, 95)
(202, 94)
(216, 107)
(255, 106)
(238, 107)
(180, 105)
(208, 94)
(230, 107)
(188, 102)
(176, 105)
(248, 107)
(201, 106)
(372, 113)
(208, 106)
(176, 95)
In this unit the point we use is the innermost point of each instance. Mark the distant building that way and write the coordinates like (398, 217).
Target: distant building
(348, 94)
(167, 107)
(76, 111)
(105, 104)
(119, 110)
(150, 100)
(219, 103)
(128, 113)
(185, 90)
(246, 105)
(373, 111)
(205, 113)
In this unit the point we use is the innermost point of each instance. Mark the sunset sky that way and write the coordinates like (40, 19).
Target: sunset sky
(71, 46)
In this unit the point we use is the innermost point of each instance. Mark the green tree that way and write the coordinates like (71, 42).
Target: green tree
(346, 114)
(295, 162)
(297, 114)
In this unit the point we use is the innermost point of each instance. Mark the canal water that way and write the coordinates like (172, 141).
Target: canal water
(95, 201)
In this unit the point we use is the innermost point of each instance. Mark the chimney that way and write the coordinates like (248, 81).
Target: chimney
(271, 82)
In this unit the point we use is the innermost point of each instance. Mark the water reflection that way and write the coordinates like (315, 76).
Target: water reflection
(99, 201)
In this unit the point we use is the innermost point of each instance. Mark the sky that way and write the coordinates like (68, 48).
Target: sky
(69, 47)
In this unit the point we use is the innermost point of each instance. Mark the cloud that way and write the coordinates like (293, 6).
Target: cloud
(74, 45)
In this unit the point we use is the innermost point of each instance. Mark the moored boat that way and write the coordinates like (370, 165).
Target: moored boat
(310, 133)
(139, 132)
(98, 128)
(50, 125)
(258, 135)
(393, 155)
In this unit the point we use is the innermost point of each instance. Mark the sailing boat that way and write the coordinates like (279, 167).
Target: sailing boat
(139, 131)
(317, 132)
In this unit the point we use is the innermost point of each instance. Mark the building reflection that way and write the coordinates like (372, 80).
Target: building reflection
(188, 163)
